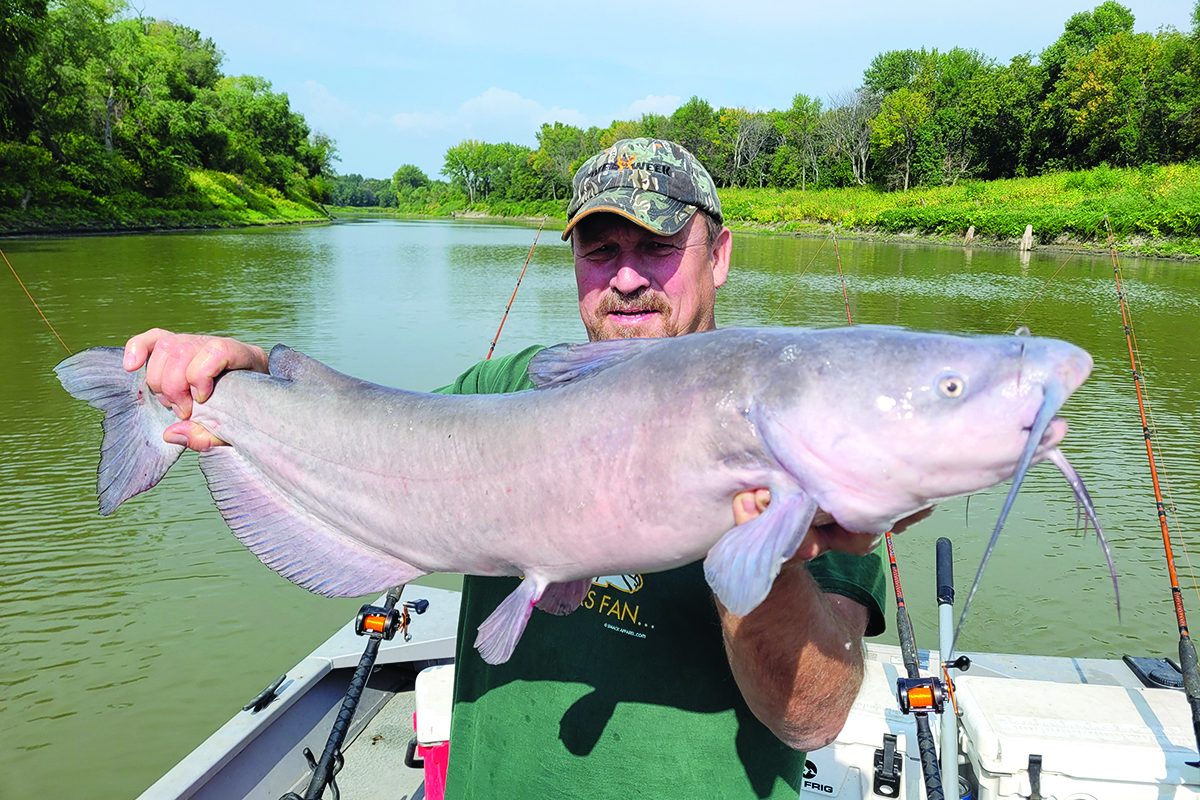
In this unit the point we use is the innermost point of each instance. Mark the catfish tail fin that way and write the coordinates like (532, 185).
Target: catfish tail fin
(133, 455)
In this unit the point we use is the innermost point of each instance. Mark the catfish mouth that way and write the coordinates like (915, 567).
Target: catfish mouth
(1054, 432)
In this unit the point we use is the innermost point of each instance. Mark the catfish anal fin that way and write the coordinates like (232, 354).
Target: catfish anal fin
(291, 540)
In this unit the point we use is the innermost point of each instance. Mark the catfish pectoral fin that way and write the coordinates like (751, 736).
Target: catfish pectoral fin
(743, 564)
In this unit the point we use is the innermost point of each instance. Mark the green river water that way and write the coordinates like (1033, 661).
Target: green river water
(125, 641)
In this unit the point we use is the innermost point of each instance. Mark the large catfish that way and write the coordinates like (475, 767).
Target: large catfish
(624, 460)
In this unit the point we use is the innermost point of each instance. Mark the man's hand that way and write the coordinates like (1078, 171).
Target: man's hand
(180, 369)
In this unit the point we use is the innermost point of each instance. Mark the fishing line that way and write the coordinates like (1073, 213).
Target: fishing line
(1144, 397)
(515, 288)
(1141, 376)
(1049, 281)
(845, 296)
(35, 305)
(775, 313)
(1188, 663)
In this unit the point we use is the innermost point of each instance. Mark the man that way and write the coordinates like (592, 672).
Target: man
(650, 688)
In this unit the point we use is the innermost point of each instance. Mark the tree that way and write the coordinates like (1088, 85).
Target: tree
(894, 132)
(410, 176)
(1083, 33)
(560, 148)
(694, 125)
(745, 136)
(802, 145)
(892, 71)
(1124, 101)
(848, 123)
(1000, 107)
(21, 28)
(464, 166)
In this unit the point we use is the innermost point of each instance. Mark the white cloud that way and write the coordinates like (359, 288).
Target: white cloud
(325, 111)
(422, 122)
(651, 104)
(496, 115)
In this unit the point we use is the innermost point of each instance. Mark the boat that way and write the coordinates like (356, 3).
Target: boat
(1028, 726)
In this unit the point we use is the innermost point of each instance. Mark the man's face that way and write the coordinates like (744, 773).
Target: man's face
(637, 283)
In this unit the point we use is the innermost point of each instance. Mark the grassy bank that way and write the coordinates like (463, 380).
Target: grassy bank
(454, 205)
(211, 200)
(1153, 210)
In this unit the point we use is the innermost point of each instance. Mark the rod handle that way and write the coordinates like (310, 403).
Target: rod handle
(945, 572)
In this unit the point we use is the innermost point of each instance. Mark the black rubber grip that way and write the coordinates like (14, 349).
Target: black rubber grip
(945, 572)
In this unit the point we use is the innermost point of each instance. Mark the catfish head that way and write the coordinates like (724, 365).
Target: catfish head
(876, 423)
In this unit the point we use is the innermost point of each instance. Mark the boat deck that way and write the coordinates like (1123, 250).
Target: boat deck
(375, 768)
(259, 754)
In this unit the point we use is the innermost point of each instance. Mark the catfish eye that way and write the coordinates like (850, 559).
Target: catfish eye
(951, 385)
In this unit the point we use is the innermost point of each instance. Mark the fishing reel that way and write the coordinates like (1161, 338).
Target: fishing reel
(921, 695)
(383, 623)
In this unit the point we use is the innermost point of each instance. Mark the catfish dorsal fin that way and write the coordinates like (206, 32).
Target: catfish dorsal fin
(292, 365)
(565, 363)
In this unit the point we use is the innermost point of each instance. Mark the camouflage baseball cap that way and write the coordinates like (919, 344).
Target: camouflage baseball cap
(655, 183)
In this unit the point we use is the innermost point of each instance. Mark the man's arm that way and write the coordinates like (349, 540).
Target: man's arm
(798, 657)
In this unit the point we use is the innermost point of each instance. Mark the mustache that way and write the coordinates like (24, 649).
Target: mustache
(638, 302)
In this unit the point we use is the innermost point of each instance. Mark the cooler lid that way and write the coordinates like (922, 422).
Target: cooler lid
(1081, 730)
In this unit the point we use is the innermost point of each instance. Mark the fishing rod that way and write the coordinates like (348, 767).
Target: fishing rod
(916, 695)
(845, 295)
(521, 277)
(35, 304)
(1188, 663)
(380, 623)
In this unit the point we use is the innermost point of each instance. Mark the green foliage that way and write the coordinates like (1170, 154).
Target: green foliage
(124, 110)
(22, 23)
(1084, 32)
(410, 177)
(1139, 203)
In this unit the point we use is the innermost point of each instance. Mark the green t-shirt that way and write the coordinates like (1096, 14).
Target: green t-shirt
(629, 696)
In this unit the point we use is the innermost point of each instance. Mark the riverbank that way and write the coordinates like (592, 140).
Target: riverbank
(1153, 211)
(212, 200)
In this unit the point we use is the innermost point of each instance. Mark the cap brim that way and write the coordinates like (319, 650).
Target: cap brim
(620, 201)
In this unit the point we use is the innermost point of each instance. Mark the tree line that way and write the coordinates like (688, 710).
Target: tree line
(1099, 95)
(98, 106)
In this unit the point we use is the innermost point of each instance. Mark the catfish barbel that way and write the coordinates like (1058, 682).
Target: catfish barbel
(625, 459)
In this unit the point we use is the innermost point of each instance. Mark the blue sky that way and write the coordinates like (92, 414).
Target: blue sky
(399, 82)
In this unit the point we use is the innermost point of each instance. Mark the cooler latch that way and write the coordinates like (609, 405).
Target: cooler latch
(1035, 777)
(888, 764)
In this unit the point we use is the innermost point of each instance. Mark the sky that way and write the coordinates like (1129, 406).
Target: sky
(400, 82)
